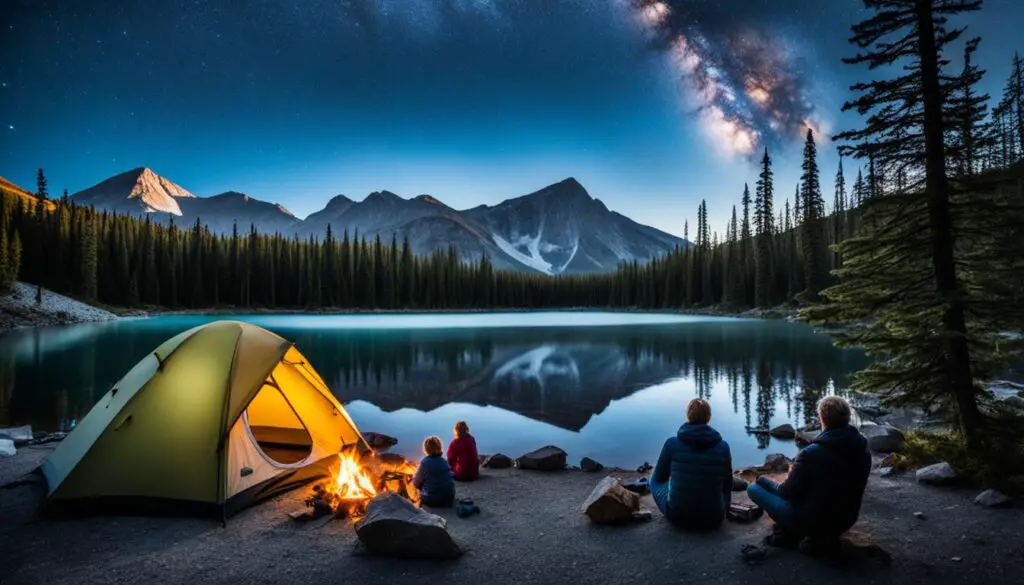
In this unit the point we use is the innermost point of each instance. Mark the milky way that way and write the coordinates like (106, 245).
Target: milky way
(741, 79)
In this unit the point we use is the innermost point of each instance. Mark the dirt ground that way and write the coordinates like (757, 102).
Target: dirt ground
(531, 530)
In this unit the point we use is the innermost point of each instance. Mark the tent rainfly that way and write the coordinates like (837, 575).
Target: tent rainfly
(213, 420)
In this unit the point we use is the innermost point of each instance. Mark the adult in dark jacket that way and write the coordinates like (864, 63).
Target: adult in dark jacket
(692, 482)
(821, 498)
(433, 477)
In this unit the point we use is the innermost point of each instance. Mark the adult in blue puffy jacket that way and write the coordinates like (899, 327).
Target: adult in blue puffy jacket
(692, 482)
(821, 498)
(434, 477)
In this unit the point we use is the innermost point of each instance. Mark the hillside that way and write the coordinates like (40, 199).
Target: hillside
(9, 189)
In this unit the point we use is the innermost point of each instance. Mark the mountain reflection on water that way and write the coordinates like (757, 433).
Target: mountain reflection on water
(610, 392)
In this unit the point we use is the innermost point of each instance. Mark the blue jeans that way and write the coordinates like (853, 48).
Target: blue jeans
(765, 493)
(659, 491)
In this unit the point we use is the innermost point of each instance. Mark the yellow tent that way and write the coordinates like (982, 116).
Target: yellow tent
(213, 420)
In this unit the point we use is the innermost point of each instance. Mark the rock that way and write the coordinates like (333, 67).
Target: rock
(393, 526)
(895, 461)
(957, 559)
(17, 434)
(483, 458)
(937, 474)
(739, 484)
(785, 431)
(992, 499)
(498, 461)
(644, 468)
(886, 471)
(610, 503)
(7, 448)
(777, 463)
(920, 515)
(589, 465)
(859, 547)
(379, 441)
(549, 458)
(806, 437)
(883, 438)
(643, 514)
(1014, 401)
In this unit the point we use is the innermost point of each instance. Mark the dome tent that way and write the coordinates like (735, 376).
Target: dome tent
(213, 420)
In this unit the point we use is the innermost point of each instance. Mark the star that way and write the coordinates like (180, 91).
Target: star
(10, 126)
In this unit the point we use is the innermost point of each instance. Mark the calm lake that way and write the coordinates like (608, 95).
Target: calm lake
(611, 386)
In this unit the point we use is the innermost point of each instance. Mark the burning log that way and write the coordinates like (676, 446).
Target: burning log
(361, 475)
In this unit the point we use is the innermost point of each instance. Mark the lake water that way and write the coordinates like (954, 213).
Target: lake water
(611, 386)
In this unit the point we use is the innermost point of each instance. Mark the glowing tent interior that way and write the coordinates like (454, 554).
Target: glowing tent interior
(213, 420)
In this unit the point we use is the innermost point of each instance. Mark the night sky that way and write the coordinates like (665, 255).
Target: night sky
(472, 101)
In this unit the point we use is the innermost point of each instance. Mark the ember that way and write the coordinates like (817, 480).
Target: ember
(357, 480)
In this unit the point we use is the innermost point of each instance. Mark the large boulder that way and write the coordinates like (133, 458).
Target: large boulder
(938, 474)
(589, 465)
(498, 461)
(549, 458)
(785, 431)
(1014, 401)
(883, 438)
(379, 440)
(610, 503)
(393, 526)
(7, 448)
(993, 499)
(19, 435)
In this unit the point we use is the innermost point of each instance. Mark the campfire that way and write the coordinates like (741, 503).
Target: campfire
(358, 478)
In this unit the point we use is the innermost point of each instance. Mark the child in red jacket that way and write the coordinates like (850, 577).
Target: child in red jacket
(462, 455)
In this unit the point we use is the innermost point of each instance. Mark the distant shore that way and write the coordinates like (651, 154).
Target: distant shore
(19, 309)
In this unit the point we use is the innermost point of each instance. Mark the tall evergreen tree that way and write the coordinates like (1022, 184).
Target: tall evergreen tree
(764, 269)
(902, 274)
(812, 236)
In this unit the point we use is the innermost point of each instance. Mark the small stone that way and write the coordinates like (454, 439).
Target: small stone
(785, 431)
(992, 499)
(643, 515)
(886, 471)
(7, 448)
(738, 484)
(777, 463)
(589, 465)
(498, 461)
(610, 503)
(549, 458)
(938, 474)
(956, 559)
(919, 515)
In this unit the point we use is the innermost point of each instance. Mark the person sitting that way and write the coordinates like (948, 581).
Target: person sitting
(433, 478)
(821, 498)
(692, 482)
(462, 455)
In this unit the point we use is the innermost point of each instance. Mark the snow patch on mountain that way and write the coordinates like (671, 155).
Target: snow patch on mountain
(537, 262)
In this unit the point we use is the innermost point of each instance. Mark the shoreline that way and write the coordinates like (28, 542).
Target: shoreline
(530, 530)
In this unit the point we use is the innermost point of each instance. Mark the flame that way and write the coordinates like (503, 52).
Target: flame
(351, 482)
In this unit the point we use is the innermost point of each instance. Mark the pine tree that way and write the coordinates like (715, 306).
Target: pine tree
(966, 114)
(1016, 98)
(812, 236)
(902, 274)
(746, 245)
(838, 214)
(90, 259)
(5, 269)
(764, 268)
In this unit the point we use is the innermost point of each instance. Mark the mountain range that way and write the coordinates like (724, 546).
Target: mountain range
(559, 229)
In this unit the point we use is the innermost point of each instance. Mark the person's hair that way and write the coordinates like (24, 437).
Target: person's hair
(698, 411)
(834, 411)
(432, 445)
(461, 429)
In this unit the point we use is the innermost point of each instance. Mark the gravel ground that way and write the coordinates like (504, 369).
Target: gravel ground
(530, 531)
(18, 308)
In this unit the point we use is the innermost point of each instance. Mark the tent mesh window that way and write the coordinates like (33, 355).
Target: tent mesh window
(278, 431)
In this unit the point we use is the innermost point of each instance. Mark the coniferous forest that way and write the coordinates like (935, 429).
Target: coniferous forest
(921, 241)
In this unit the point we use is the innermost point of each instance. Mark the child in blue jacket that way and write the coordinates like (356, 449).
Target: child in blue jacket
(434, 477)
